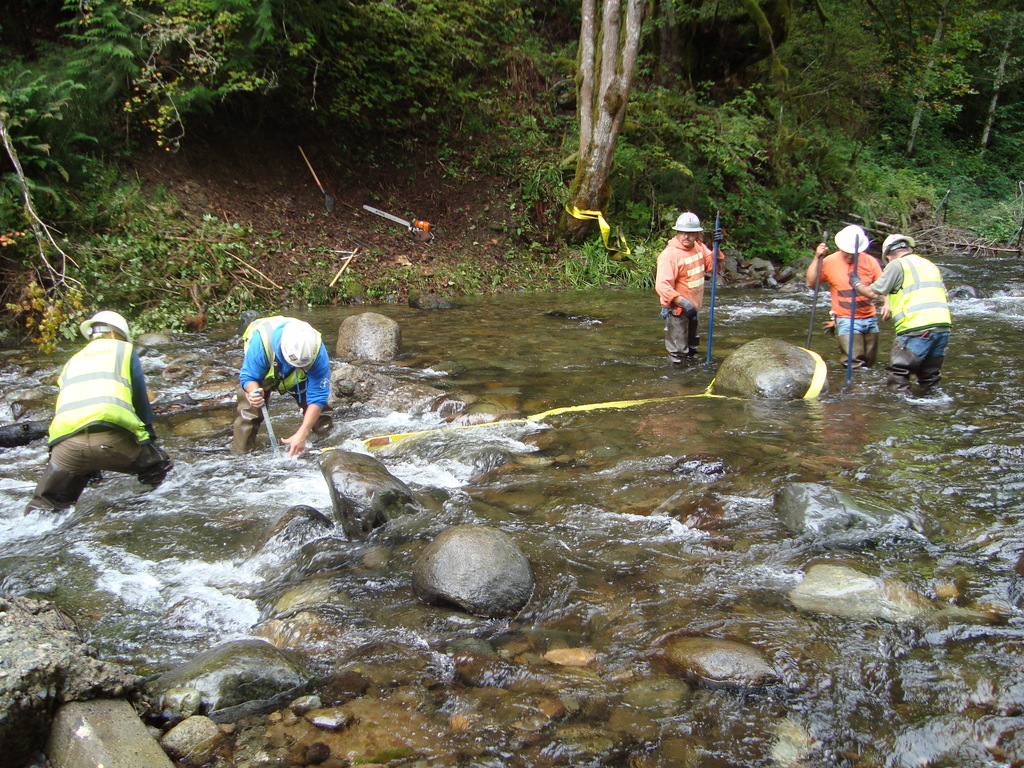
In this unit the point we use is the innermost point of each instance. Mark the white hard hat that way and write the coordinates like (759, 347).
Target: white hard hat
(300, 343)
(688, 222)
(896, 243)
(105, 321)
(852, 239)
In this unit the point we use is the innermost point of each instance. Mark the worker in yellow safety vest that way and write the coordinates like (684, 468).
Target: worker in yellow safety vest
(917, 300)
(102, 420)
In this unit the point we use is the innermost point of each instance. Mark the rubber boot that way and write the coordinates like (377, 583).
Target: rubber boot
(902, 363)
(859, 349)
(930, 373)
(870, 354)
(57, 489)
(246, 425)
(692, 339)
(677, 336)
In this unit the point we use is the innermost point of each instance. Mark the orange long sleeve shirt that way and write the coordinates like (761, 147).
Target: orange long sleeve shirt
(681, 272)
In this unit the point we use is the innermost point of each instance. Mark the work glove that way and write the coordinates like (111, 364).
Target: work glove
(717, 237)
(855, 280)
(830, 328)
(686, 309)
(158, 465)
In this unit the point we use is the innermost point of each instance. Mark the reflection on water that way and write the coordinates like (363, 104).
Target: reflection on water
(639, 522)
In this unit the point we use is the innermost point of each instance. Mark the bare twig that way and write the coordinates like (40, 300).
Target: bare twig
(39, 227)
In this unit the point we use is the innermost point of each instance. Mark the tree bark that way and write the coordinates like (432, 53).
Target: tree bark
(996, 88)
(608, 53)
(915, 124)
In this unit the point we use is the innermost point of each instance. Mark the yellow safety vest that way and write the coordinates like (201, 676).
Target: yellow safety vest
(265, 327)
(96, 389)
(921, 302)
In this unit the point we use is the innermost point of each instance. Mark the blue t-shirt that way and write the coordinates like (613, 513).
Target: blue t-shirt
(313, 391)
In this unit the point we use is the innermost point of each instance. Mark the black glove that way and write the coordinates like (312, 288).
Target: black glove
(717, 237)
(687, 309)
(157, 465)
(855, 280)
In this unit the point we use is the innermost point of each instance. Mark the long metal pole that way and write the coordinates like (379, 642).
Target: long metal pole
(853, 311)
(270, 429)
(714, 280)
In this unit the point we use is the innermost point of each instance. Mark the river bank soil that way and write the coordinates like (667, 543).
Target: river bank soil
(266, 186)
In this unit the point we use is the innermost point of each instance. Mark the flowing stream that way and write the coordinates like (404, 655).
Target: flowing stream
(639, 522)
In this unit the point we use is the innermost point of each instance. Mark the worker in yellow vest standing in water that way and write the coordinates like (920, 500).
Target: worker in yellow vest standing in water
(102, 420)
(919, 309)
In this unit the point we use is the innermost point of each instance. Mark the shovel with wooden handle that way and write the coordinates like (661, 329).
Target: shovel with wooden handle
(328, 200)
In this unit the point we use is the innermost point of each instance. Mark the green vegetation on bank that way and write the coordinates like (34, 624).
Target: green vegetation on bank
(786, 117)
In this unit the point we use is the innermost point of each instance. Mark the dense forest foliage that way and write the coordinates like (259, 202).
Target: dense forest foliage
(785, 115)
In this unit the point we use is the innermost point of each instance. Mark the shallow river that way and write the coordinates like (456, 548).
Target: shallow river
(628, 544)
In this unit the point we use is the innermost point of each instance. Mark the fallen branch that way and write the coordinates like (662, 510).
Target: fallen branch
(250, 266)
(348, 260)
(39, 227)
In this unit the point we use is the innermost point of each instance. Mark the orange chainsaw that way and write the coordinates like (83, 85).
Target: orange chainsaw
(418, 228)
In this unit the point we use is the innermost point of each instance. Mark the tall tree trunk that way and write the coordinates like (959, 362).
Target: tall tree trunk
(996, 88)
(915, 124)
(608, 53)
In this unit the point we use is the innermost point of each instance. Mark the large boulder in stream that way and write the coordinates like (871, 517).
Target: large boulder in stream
(476, 568)
(45, 663)
(369, 336)
(839, 590)
(815, 510)
(236, 678)
(769, 369)
(364, 494)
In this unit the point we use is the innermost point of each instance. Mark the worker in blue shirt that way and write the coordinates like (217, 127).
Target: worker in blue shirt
(285, 355)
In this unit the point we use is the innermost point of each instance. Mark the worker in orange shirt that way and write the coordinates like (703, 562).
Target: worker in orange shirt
(679, 284)
(835, 269)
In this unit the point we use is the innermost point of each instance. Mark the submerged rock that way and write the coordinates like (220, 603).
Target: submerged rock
(770, 369)
(817, 510)
(718, 663)
(478, 569)
(234, 673)
(839, 590)
(364, 494)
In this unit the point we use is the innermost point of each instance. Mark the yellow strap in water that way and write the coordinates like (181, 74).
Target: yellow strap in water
(606, 229)
(818, 378)
(382, 440)
(813, 390)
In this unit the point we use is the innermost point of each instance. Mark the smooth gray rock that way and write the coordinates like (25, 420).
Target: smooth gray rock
(767, 369)
(838, 590)
(718, 663)
(364, 494)
(193, 739)
(478, 569)
(369, 336)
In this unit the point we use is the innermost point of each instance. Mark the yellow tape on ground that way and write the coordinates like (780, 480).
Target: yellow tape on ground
(606, 229)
